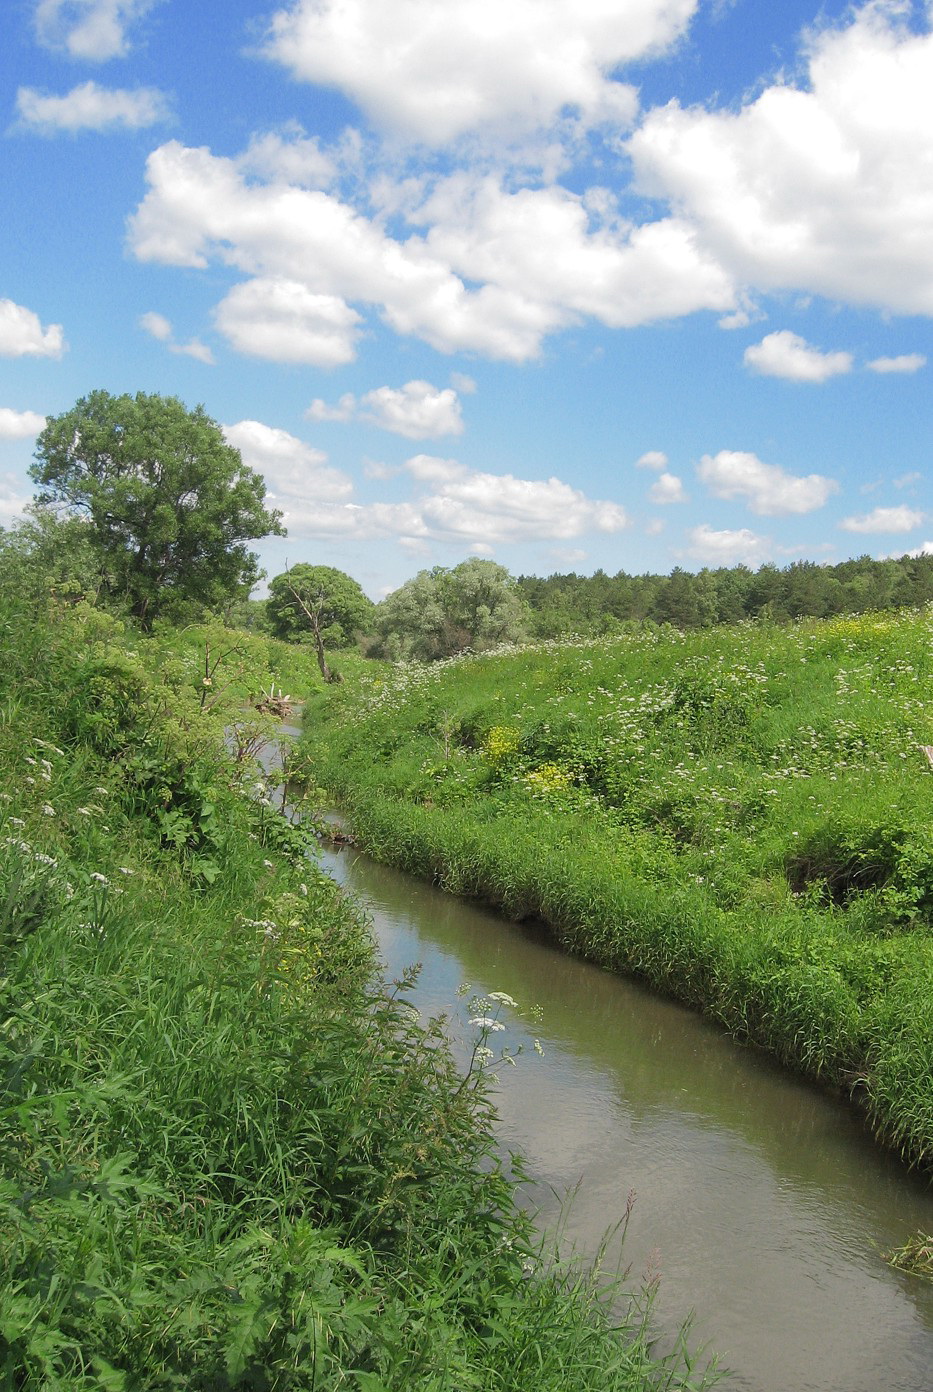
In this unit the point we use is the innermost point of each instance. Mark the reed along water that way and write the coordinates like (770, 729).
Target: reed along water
(761, 1204)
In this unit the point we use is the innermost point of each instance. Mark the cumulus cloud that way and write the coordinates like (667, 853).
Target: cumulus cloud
(652, 459)
(667, 488)
(161, 329)
(468, 504)
(768, 490)
(279, 319)
(450, 502)
(825, 186)
(94, 30)
(786, 354)
(13, 502)
(22, 334)
(884, 519)
(417, 410)
(904, 362)
(729, 548)
(91, 107)
(19, 425)
(299, 480)
(435, 70)
(540, 260)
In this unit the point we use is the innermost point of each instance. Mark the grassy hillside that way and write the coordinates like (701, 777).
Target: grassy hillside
(228, 1157)
(740, 816)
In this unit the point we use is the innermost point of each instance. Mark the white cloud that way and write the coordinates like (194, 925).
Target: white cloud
(786, 354)
(768, 490)
(289, 157)
(91, 107)
(667, 488)
(908, 480)
(652, 459)
(343, 411)
(825, 187)
(157, 325)
(94, 30)
(924, 549)
(19, 425)
(285, 321)
(417, 410)
(729, 548)
(450, 502)
(13, 502)
(462, 383)
(905, 362)
(194, 348)
(299, 480)
(160, 328)
(435, 70)
(498, 508)
(541, 259)
(885, 519)
(22, 335)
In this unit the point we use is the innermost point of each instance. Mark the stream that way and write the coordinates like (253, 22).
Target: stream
(762, 1204)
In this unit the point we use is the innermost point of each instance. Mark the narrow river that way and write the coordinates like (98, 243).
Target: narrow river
(763, 1205)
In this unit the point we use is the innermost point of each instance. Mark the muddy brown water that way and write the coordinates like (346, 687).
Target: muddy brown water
(763, 1205)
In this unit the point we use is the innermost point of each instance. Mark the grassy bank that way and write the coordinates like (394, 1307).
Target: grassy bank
(741, 817)
(227, 1158)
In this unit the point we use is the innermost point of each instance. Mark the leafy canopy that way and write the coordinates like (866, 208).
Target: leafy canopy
(319, 600)
(170, 504)
(440, 612)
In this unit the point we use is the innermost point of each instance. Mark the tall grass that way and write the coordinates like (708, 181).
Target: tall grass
(229, 1156)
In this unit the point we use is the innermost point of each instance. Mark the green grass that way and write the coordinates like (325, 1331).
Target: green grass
(229, 1156)
(740, 817)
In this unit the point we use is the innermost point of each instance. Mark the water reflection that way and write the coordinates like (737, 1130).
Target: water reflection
(764, 1204)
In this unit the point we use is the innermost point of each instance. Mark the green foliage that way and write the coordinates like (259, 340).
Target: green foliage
(230, 1157)
(318, 600)
(741, 817)
(169, 503)
(50, 555)
(475, 605)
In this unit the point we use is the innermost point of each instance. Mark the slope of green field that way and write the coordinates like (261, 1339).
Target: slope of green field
(741, 816)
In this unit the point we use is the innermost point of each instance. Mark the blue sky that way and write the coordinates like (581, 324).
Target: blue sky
(566, 283)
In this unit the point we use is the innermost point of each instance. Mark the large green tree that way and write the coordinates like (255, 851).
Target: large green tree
(441, 612)
(170, 504)
(319, 601)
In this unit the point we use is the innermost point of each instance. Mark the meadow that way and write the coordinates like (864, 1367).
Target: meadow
(739, 816)
(230, 1155)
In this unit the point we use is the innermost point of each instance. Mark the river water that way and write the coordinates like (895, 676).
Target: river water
(763, 1205)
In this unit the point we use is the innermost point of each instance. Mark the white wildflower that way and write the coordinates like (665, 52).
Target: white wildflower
(501, 997)
(101, 879)
(268, 864)
(48, 809)
(487, 1023)
(125, 870)
(16, 821)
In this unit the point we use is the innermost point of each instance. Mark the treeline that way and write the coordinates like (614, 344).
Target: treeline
(588, 604)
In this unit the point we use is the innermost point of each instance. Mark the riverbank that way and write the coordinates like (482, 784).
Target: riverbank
(227, 1157)
(737, 817)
